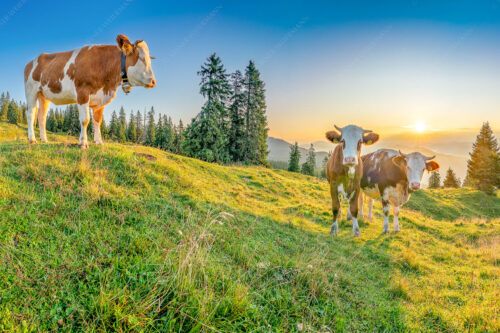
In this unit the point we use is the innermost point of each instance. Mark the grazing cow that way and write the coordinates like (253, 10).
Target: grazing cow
(88, 76)
(393, 176)
(345, 168)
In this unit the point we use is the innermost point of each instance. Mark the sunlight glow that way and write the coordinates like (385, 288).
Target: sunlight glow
(420, 126)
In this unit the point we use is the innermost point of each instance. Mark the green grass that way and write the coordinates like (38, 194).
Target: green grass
(110, 239)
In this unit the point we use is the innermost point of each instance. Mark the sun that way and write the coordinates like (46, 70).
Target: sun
(420, 126)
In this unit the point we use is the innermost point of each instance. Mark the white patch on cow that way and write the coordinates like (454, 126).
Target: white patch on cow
(31, 88)
(352, 172)
(141, 74)
(355, 227)
(341, 192)
(100, 99)
(68, 94)
(396, 195)
(396, 216)
(386, 209)
(351, 135)
(415, 168)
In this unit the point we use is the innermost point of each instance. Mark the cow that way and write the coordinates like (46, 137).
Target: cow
(394, 176)
(345, 168)
(89, 77)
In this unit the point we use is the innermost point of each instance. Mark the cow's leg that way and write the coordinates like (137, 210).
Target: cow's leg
(97, 120)
(335, 209)
(396, 215)
(84, 115)
(30, 116)
(370, 209)
(361, 201)
(387, 209)
(43, 109)
(353, 208)
(349, 215)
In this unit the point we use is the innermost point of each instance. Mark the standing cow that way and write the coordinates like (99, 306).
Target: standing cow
(393, 176)
(88, 76)
(345, 168)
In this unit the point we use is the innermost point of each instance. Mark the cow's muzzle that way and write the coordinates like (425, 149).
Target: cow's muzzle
(350, 161)
(152, 84)
(415, 186)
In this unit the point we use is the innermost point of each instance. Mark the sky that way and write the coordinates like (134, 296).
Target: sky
(385, 65)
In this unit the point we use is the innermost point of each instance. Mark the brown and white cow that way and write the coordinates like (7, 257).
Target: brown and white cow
(89, 77)
(392, 175)
(345, 168)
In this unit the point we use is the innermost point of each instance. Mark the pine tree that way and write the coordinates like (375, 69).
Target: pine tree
(150, 135)
(451, 179)
(207, 137)
(4, 105)
(237, 133)
(104, 130)
(483, 167)
(310, 164)
(160, 133)
(52, 121)
(435, 180)
(255, 117)
(323, 165)
(131, 129)
(293, 163)
(13, 113)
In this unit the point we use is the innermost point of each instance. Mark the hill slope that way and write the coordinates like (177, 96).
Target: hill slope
(132, 238)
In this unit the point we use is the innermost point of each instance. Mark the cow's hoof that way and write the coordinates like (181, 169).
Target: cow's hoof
(356, 232)
(32, 141)
(397, 230)
(84, 146)
(100, 143)
(44, 141)
(386, 231)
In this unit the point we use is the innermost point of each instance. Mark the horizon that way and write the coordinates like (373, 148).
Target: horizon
(390, 68)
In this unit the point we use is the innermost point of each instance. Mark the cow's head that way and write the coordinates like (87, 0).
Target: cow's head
(414, 165)
(351, 137)
(139, 73)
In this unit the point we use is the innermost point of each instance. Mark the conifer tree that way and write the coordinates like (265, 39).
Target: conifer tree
(255, 117)
(207, 137)
(150, 135)
(131, 129)
(178, 138)
(13, 113)
(451, 179)
(237, 133)
(122, 126)
(435, 180)
(323, 165)
(104, 130)
(114, 126)
(293, 163)
(483, 167)
(4, 105)
(52, 121)
(310, 164)
(139, 126)
(160, 133)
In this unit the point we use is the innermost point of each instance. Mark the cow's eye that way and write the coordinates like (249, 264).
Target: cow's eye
(343, 143)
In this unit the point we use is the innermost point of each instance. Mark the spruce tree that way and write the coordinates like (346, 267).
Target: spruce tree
(104, 130)
(139, 126)
(310, 164)
(131, 129)
(160, 133)
(178, 138)
(4, 105)
(483, 167)
(255, 117)
(122, 126)
(150, 135)
(293, 163)
(451, 179)
(207, 137)
(323, 165)
(13, 113)
(237, 133)
(435, 180)
(114, 126)
(52, 121)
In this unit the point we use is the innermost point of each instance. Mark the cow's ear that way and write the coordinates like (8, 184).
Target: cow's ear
(370, 138)
(333, 136)
(431, 166)
(399, 161)
(124, 44)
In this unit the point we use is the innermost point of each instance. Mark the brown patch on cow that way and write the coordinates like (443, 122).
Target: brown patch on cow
(146, 156)
(49, 70)
(98, 68)
(98, 115)
(27, 70)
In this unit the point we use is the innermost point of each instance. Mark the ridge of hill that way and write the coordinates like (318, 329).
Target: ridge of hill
(132, 238)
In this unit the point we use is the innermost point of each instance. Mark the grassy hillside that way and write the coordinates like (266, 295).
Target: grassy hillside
(129, 238)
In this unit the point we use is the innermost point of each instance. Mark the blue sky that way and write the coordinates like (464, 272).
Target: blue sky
(385, 65)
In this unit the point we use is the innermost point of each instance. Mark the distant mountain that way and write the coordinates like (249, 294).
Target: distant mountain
(279, 150)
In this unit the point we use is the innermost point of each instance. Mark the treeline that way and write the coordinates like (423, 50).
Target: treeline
(12, 111)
